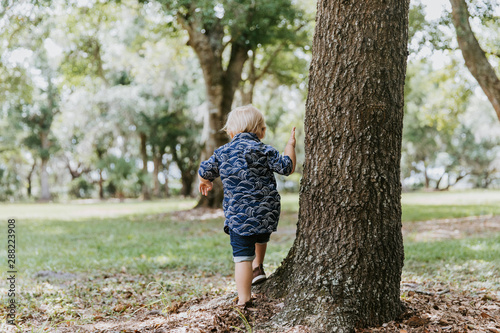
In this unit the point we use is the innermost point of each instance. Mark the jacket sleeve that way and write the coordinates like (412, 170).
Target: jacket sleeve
(209, 169)
(279, 163)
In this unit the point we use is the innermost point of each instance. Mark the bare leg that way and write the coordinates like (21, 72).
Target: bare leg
(243, 277)
(260, 253)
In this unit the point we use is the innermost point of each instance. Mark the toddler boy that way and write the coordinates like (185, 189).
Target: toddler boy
(251, 201)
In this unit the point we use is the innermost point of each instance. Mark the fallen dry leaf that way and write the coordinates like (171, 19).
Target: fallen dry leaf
(174, 307)
(416, 321)
(485, 315)
(121, 307)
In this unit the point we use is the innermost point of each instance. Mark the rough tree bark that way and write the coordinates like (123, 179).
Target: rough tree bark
(474, 56)
(344, 268)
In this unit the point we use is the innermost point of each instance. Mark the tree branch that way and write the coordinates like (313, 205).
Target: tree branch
(206, 47)
(232, 75)
(270, 61)
(496, 54)
(474, 56)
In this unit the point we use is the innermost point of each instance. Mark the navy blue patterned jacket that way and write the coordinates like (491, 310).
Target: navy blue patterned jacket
(246, 167)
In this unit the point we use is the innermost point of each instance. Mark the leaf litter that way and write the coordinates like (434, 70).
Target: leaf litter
(121, 302)
(429, 307)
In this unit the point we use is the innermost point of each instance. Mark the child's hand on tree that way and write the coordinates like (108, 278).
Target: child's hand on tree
(290, 149)
(205, 186)
(291, 141)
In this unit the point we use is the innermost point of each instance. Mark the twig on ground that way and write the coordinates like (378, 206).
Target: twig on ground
(411, 287)
(430, 293)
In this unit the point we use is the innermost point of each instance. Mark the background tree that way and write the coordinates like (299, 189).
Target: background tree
(35, 103)
(435, 101)
(14, 91)
(120, 87)
(474, 56)
(172, 129)
(344, 268)
(101, 146)
(479, 60)
(184, 143)
(114, 67)
(286, 63)
(442, 103)
(222, 34)
(40, 139)
(475, 157)
(92, 69)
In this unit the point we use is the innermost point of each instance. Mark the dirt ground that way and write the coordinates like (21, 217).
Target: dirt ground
(430, 307)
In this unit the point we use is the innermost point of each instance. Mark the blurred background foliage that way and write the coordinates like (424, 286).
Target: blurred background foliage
(105, 99)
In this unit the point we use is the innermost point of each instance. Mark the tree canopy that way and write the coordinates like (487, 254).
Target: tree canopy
(85, 84)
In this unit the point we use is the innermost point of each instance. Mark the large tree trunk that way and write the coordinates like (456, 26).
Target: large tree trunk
(344, 268)
(474, 56)
(215, 139)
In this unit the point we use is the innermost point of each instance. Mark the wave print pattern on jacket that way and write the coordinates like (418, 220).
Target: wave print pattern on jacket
(246, 167)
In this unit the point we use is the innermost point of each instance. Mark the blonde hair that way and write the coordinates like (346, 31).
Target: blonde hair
(245, 119)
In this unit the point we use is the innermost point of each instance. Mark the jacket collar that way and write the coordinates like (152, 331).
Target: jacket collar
(246, 136)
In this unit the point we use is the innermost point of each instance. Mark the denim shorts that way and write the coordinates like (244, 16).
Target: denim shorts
(244, 246)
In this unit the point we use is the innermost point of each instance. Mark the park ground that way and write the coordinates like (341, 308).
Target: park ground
(161, 267)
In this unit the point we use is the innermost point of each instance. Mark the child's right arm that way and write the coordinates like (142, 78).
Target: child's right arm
(290, 149)
(209, 170)
(205, 186)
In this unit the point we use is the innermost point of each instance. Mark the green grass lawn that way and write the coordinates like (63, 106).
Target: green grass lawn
(138, 243)
(142, 236)
(470, 264)
(111, 249)
(422, 206)
(96, 210)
